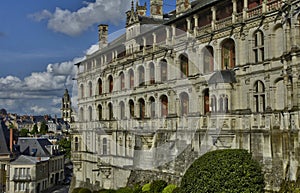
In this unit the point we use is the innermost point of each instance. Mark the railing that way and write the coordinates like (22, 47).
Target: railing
(204, 29)
(223, 23)
(273, 5)
(255, 11)
(22, 177)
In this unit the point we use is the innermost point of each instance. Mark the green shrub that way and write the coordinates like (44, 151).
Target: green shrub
(169, 188)
(231, 170)
(177, 190)
(84, 190)
(146, 187)
(76, 190)
(124, 190)
(157, 186)
(107, 191)
(137, 189)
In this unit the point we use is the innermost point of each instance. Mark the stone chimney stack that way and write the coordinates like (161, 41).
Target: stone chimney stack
(156, 9)
(141, 10)
(11, 139)
(102, 35)
(182, 6)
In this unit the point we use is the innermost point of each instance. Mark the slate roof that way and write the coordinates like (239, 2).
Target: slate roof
(223, 76)
(28, 160)
(34, 146)
(4, 139)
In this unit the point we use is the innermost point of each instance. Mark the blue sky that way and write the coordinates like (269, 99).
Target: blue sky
(41, 40)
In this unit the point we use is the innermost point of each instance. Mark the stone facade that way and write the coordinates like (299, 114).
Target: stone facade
(210, 75)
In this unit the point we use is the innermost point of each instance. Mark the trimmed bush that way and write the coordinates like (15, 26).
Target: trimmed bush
(177, 190)
(76, 190)
(124, 190)
(107, 191)
(157, 186)
(146, 187)
(169, 188)
(230, 170)
(84, 190)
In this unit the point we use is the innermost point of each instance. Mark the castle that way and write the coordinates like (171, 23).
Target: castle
(211, 74)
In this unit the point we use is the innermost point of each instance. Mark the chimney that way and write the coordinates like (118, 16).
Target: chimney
(102, 35)
(156, 9)
(141, 10)
(11, 139)
(182, 6)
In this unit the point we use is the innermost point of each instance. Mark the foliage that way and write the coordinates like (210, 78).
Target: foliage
(107, 191)
(44, 128)
(169, 188)
(34, 130)
(65, 145)
(23, 133)
(177, 190)
(137, 189)
(290, 187)
(76, 190)
(157, 186)
(231, 170)
(124, 190)
(146, 187)
(84, 190)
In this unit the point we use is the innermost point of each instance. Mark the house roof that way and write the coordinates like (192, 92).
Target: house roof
(4, 139)
(34, 146)
(28, 160)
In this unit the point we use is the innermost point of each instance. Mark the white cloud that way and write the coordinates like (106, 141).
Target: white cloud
(39, 93)
(74, 23)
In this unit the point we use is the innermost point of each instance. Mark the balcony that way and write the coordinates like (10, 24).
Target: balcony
(22, 178)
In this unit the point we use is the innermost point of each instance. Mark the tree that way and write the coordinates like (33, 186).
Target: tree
(44, 128)
(231, 170)
(65, 145)
(23, 133)
(34, 130)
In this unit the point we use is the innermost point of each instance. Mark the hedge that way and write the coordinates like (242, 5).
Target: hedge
(230, 170)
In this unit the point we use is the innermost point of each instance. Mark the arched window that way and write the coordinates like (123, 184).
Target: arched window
(76, 144)
(122, 110)
(228, 54)
(258, 47)
(122, 81)
(152, 107)
(206, 100)
(110, 111)
(104, 146)
(82, 91)
(184, 65)
(152, 73)
(184, 100)
(99, 86)
(131, 108)
(213, 100)
(131, 79)
(208, 59)
(141, 108)
(163, 70)
(110, 83)
(259, 96)
(90, 89)
(90, 114)
(81, 114)
(223, 103)
(141, 76)
(164, 105)
(100, 113)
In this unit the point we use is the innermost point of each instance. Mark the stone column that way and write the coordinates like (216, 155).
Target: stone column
(173, 33)
(144, 45)
(188, 21)
(214, 17)
(264, 6)
(168, 35)
(234, 11)
(245, 9)
(196, 24)
(154, 41)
